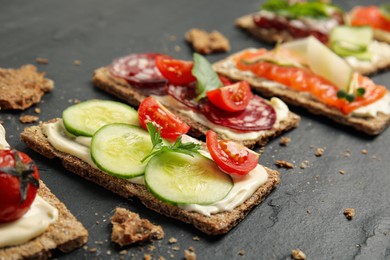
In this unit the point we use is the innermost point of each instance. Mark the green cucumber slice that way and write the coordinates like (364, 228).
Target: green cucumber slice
(327, 64)
(118, 149)
(351, 41)
(181, 179)
(87, 117)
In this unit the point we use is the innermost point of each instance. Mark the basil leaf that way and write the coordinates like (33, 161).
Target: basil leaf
(206, 76)
(314, 9)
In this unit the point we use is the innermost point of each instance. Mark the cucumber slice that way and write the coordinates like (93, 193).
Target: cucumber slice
(181, 179)
(87, 117)
(118, 149)
(325, 63)
(351, 41)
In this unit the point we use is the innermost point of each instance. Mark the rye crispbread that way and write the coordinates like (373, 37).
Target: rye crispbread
(66, 234)
(121, 89)
(368, 125)
(21, 88)
(380, 50)
(215, 224)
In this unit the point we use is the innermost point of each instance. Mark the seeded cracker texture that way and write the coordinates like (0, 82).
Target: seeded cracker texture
(382, 62)
(66, 234)
(214, 225)
(21, 88)
(370, 125)
(122, 90)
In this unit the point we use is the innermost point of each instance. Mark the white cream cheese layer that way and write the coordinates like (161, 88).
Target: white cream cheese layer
(279, 106)
(380, 54)
(36, 220)
(3, 142)
(243, 187)
(382, 105)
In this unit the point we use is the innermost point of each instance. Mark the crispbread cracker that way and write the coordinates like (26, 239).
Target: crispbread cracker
(381, 50)
(215, 224)
(370, 126)
(21, 88)
(66, 234)
(121, 89)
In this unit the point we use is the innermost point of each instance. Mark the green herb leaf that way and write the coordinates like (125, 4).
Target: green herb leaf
(314, 9)
(341, 94)
(207, 78)
(350, 97)
(188, 148)
(360, 92)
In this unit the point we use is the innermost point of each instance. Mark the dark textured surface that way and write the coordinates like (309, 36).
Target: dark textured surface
(305, 211)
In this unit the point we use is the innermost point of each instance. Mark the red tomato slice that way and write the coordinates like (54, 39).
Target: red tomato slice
(225, 81)
(178, 72)
(12, 205)
(231, 157)
(231, 98)
(370, 15)
(171, 127)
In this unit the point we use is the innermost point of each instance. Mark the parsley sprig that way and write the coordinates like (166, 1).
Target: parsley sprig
(188, 148)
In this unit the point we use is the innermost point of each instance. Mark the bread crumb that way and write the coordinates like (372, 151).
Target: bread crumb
(297, 254)
(364, 151)
(319, 152)
(77, 62)
(284, 141)
(196, 238)
(206, 43)
(349, 213)
(28, 119)
(284, 164)
(342, 172)
(42, 60)
(129, 228)
(172, 240)
(241, 252)
(304, 164)
(189, 255)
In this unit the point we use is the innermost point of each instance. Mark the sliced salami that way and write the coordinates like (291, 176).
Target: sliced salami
(184, 94)
(257, 116)
(140, 71)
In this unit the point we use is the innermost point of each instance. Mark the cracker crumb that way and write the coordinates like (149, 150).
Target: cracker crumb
(189, 255)
(297, 254)
(28, 119)
(175, 248)
(363, 151)
(349, 213)
(191, 248)
(147, 257)
(37, 110)
(123, 252)
(196, 238)
(308, 211)
(241, 252)
(284, 141)
(206, 43)
(304, 164)
(93, 249)
(172, 240)
(347, 153)
(151, 247)
(40, 60)
(342, 172)
(284, 164)
(129, 228)
(172, 37)
(85, 248)
(177, 48)
(319, 152)
(161, 258)
(77, 62)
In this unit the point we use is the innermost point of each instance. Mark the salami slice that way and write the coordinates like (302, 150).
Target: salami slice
(257, 116)
(184, 94)
(140, 71)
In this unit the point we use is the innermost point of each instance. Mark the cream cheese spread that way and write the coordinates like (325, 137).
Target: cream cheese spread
(32, 224)
(279, 106)
(243, 187)
(380, 52)
(3, 142)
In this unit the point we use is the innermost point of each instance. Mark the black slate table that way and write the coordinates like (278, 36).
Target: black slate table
(305, 211)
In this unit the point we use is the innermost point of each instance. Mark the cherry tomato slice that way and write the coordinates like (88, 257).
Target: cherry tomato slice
(231, 98)
(231, 157)
(171, 127)
(12, 206)
(177, 72)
